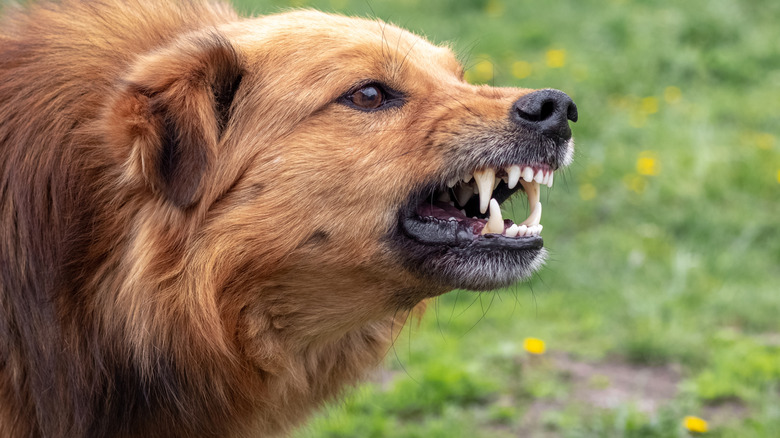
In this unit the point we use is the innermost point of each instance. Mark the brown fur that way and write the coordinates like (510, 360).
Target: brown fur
(192, 229)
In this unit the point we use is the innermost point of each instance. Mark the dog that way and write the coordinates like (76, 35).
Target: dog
(210, 225)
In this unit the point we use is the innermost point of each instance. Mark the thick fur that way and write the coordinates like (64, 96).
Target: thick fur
(193, 228)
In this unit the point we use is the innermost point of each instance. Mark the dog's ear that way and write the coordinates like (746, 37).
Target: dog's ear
(172, 110)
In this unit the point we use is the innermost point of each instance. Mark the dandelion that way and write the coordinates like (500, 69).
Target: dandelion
(556, 58)
(672, 95)
(647, 164)
(482, 72)
(534, 345)
(649, 105)
(695, 424)
(521, 69)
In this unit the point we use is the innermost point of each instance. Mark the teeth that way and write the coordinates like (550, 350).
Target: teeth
(532, 191)
(535, 216)
(539, 176)
(528, 174)
(484, 179)
(514, 176)
(463, 193)
(495, 223)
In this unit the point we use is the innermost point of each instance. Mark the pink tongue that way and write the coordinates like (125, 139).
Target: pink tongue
(439, 210)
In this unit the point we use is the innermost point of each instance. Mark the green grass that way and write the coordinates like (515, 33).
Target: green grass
(664, 234)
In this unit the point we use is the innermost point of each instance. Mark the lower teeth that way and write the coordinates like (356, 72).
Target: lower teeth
(529, 227)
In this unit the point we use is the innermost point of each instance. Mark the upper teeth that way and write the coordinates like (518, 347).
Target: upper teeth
(485, 181)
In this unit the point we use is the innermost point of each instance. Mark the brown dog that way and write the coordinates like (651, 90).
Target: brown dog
(208, 225)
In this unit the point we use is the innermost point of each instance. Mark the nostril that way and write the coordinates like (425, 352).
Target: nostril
(571, 112)
(536, 111)
(547, 111)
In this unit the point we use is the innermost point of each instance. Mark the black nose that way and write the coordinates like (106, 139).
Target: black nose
(547, 111)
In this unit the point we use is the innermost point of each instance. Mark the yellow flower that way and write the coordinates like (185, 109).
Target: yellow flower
(695, 424)
(556, 58)
(649, 105)
(482, 72)
(648, 164)
(521, 69)
(534, 346)
(672, 95)
(778, 176)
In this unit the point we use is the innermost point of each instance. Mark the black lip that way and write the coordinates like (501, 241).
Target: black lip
(454, 234)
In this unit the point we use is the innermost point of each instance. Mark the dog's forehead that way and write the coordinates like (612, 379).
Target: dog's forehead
(313, 34)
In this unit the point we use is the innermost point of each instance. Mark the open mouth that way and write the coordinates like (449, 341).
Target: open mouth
(453, 232)
(467, 210)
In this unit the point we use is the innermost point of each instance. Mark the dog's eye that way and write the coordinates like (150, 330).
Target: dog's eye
(369, 97)
(372, 97)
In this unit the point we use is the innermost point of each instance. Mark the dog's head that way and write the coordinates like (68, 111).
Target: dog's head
(339, 154)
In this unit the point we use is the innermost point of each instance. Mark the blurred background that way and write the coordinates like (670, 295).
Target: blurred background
(658, 313)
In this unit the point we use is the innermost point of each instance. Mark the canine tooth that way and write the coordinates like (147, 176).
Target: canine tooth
(528, 174)
(463, 193)
(532, 191)
(539, 176)
(550, 182)
(513, 177)
(484, 179)
(512, 231)
(535, 216)
(495, 223)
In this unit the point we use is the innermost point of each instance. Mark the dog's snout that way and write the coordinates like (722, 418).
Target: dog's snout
(547, 111)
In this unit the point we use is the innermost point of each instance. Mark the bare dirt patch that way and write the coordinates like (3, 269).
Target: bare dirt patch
(607, 384)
